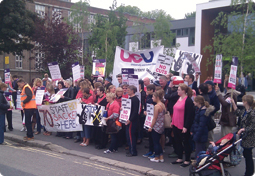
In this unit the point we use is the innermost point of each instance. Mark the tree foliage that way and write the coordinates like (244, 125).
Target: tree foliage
(107, 33)
(190, 15)
(17, 26)
(235, 36)
(58, 41)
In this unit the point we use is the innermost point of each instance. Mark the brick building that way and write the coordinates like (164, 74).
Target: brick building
(30, 68)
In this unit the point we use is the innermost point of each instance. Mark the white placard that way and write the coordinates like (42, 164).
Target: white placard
(39, 97)
(54, 71)
(163, 64)
(18, 103)
(76, 69)
(126, 109)
(218, 69)
(149, 116)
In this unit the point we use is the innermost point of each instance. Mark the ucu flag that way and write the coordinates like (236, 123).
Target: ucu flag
(126, 56)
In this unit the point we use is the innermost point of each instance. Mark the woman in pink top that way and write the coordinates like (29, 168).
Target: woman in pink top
(183, 116)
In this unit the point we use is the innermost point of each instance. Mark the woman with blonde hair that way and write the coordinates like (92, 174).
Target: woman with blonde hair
(246, 124)
(183, 116)
(111, 89)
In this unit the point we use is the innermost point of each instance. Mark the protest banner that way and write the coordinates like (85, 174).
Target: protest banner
(99, 67)
(58, 95)
(7, 76)
(76, 69)
(149, 116)
(218, 69)
(90, 114)
(125, 72)
(61, 117)
(143, 62)
(163, 64)
(82, 71)
(182, 65)
(233, 72)
(126, 109)
(18, 103)
(54, 71)
(39, 96)
(192, 62)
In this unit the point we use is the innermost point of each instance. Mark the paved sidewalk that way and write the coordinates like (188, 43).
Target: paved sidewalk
(138, 163)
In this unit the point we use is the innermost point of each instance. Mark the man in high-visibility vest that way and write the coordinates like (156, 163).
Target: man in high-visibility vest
(29, 105)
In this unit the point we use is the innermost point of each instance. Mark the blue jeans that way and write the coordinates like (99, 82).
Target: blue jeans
(38, 121)
(249, 165)
(86, 132)
(131, 137)
(114, 143)
(2, 127)
(157, 147)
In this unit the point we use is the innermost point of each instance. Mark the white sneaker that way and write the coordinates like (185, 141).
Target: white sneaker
(23, 128)
(154, 160)
(107, 151)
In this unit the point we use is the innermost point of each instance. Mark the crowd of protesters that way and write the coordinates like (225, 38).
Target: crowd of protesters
(190, 107)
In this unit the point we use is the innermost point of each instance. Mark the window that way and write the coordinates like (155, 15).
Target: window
(146, 41)
(39, 57)
(75, 24)
(57, 13)
(179, 33)
(192, 37)
(185, 32)
(40, 10)
(91, 19)
(18, 61)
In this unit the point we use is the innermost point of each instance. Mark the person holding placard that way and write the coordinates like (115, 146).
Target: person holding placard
(141, 113)
(132, 122)
(4, 106)
(29, 106)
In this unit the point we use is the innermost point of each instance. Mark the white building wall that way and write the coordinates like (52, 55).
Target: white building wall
(184, 44)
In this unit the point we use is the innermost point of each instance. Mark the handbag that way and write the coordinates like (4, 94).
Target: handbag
(168, 120)
(211, 124)
(112, 127)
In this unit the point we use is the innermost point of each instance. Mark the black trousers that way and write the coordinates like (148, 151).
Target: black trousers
(101, 138)
(9, 119)
(249, 165)
(14, 97)
(182, 141)
(28, 122)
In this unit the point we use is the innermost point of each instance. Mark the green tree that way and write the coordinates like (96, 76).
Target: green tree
(78, 18)
(17, 26)
(235, 35)
(107, 33)
(154, 14)
(133, 10)
(190, 15)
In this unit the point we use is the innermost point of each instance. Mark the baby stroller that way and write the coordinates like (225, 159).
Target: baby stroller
(210, 162)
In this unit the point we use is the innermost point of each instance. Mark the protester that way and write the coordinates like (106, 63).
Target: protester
(243, 81)
(141, 113)
(111, 89)
(119, 77)
(113, 112)
(107, 83)
(149, 100)
(96, 85)
(4, 106)
(100, 135)
(188, 80)
(249, 81)
(224, 82)
(203, 91)
(146, 81)
(38, 85)
(228, 118)
(29, 106)
(157, 126)
(100, 79)
(45, 79)
(119, 93)
(132, 122)
(86, 133)
(60, 86)
(163, 83)
(183, 115)
(246, 125)
(15, 87)
(124, 88)
(240, 88)
(199, 129)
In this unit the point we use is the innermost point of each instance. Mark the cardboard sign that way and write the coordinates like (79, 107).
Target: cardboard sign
(61, 117)
(99, 67)
(7, 76)
(218, 69)
(149, 116)
(54, 71)
(125, 72)
(163, 64)
(58, 95)
(233, 72)
(39, 96)
(18, 103)
(76, 69)
(193, 62)
(126, 109)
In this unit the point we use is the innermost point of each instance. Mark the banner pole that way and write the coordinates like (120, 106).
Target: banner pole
(231, 99)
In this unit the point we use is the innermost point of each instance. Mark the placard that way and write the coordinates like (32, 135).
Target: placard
(18, 102)
(58, 95)
(125, 72)
(126, 109)
(54, 71)
(193, 62)
(91, 114)
(76, 70)
(7, 76)
(233, 72)
(218, 69)
(149, 116)
(82, 71)
(163, 64)
(39, 96)
(60, 117)
(133, 80)
(99, 67)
